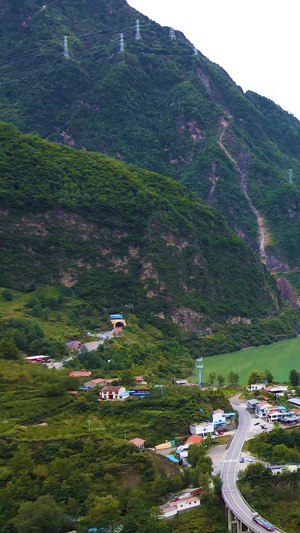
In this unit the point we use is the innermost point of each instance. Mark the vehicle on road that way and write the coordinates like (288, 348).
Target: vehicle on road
(263, 523)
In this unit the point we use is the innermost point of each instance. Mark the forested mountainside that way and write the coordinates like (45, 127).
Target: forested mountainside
(157, 105)
(122, 236)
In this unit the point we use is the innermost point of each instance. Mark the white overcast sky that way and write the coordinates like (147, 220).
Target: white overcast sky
(256, 41)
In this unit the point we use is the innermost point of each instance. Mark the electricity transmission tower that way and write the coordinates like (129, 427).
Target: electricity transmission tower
(122, 48)
(172, 35)
(66, 49)
(137, 30)
(290, 175)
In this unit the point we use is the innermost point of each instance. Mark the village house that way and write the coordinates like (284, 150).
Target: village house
(251, 404)
(288, 467)
(187, 503)
(80, 374)
(73, 345)
(257, 386)
(203, 429)
(218, 417)
(99, 382)
(139, 443)
(278, 390)
(182, 451)
(261, 409)
(168, 511)
(113, 393)
(177, 506)
(273, 416)
(295, 401)
(263, 398)
(194, 439)
(140, 380)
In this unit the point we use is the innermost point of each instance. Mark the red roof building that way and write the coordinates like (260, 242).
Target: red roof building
(194, 439)
(80, 374)
(139, 443)
(98, 381)
(140, 379)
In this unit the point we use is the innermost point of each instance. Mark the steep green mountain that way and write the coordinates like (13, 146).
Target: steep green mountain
(157, 106)
(121, 236)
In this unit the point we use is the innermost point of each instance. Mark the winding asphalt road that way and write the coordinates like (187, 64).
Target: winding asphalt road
(230, 492)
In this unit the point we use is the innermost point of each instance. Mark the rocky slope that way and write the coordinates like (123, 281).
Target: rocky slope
(122, 236)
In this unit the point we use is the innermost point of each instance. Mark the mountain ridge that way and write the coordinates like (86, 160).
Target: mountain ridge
(122, 235)
(157, 106)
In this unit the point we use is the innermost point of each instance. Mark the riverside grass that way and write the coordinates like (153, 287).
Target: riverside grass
(279, 358)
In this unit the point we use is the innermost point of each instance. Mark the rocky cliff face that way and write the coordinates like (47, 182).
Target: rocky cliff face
(123, 236)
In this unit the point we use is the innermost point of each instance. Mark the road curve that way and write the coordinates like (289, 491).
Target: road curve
(231, 495)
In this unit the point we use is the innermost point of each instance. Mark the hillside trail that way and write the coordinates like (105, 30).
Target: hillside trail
(262, 229)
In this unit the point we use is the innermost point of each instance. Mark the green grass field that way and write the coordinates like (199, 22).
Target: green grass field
(279, 358)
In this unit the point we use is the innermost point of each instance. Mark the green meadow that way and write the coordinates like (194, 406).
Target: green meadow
(279, 358)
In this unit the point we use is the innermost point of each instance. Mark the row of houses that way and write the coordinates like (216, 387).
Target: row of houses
(288, 467)
(279, 390)
(101, 382)
(273, 413)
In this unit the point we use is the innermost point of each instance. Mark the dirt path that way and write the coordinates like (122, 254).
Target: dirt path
(213, 181)
(262, 229)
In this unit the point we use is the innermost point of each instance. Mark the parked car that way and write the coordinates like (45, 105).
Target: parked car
(221, 432)
(256, 424)
(242, 460)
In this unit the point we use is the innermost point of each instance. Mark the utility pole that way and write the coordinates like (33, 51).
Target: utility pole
(122, 48)
(137, 30)
(172, 35)
(66, 49)
(199, 366)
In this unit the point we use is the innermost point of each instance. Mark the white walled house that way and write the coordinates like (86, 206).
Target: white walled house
(187, 503)
(203, 429)
(168, 512)
(218, 416)
(112, 393)
(262, 408)
(176, 506)
(273, 416)
(257, 386)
